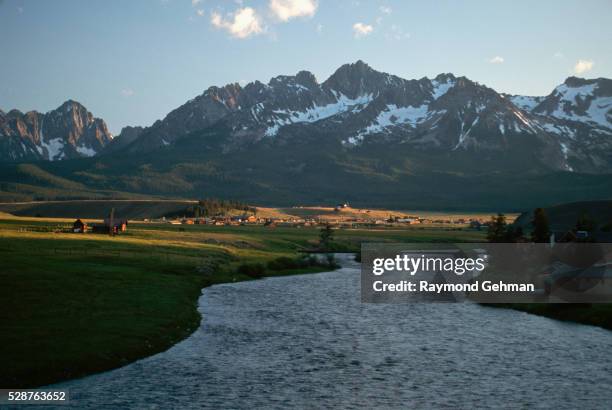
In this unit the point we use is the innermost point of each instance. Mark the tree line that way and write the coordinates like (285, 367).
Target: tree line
(501, 232)
(210, 207)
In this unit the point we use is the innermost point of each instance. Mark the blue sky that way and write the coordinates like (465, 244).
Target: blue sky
(131, 62)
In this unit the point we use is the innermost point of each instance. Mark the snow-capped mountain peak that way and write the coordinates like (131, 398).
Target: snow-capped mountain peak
(69, 131)
(570, 129)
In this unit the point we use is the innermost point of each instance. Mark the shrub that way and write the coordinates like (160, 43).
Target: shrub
(254, 270)
(283, 263)
(331, 261)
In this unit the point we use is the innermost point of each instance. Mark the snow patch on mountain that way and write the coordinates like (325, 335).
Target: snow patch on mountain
(85, 151)
(54, 148)
(599, 111)
(393, 116)
(315, 113)
(465, 133)
(565, 150)
(557, 129)
(529, 126)
(570, 94)
(441, 88)
(524, 102)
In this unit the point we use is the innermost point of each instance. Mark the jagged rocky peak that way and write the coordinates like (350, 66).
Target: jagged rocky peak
(255, 87)
(359, 79)
(14, 113)
(580, 100)
(303, 80)
(445, 78)
(69, 131)
(574, 82)
(71, 105)
(441, 84)
(580, 88)
(307, 79)
(127, 135)
(227, 95)
(569, 129)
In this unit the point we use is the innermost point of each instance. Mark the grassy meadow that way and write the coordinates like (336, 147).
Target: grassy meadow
(74, 304)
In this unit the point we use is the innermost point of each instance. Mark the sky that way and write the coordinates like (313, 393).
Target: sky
(131, 62)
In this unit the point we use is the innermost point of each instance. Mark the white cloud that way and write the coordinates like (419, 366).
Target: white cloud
(360, 30)
(319, 28)
(243, 23)
(200, 12)
(127, 92)
(496, 60)
(558, 54)
(582, 66)
(285, 10)
(385, 9)
(194, 3)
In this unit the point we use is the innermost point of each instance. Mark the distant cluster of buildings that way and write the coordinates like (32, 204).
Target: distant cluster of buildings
(238, 220)
(339, 221)
(339, 218)
(108, 226)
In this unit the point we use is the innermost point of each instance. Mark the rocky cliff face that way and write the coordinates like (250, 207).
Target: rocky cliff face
(570, 129)
(69, 131)
(359, 108)
(126, 137)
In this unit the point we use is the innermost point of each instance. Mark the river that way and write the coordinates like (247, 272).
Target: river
(308, 342)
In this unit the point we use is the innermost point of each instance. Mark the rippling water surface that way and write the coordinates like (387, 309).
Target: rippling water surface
(307, 341)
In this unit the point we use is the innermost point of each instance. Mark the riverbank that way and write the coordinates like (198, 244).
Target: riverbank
(78, 309)
(283, 342)
(74, 304)
(597, 314)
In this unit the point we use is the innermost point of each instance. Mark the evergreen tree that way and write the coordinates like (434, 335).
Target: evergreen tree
(513, 234)
(326, 236)
(497, 229)
(541, 229)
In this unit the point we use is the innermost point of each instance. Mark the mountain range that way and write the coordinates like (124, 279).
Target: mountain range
(70, 131)
(358, 129)
(571, 128)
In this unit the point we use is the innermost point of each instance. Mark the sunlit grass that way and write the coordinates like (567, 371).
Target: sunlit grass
(73, 304)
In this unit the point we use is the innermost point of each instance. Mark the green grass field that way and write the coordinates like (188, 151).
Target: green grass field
(75, 304)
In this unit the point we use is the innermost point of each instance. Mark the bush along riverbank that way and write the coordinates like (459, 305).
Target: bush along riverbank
(596, 314)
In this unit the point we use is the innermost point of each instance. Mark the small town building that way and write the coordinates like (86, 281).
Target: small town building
(117, 226)
(79, 226)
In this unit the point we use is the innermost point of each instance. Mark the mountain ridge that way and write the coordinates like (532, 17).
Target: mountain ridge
(69, 131)
(372, 104)
(361, 136)
(571, 125)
